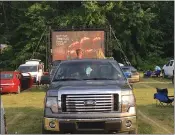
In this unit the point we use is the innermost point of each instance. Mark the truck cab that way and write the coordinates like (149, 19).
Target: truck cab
(101, 101)
(34, 67)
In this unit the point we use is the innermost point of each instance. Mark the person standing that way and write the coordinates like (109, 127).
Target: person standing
(79, 53)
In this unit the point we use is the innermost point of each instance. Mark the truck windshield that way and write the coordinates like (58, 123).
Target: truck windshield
(6, 75)
(88, 70)
(25, 69)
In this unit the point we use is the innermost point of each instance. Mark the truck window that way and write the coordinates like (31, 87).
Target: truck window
(77, 70)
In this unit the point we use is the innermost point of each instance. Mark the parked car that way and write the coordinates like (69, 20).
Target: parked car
(135, 76)
(33, 66)
(14, 82)
(168, 69)
(126, 71)
(101, 100)
(3, 120)
(173, 78)
(121, 64)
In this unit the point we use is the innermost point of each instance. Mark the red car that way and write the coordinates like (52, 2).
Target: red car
(13, 82)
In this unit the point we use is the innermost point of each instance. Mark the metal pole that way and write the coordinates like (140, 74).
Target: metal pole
(46, 67)
(49, 48)
(110, 43)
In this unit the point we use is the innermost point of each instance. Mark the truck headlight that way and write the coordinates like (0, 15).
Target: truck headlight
(127, 102)
(52, 103)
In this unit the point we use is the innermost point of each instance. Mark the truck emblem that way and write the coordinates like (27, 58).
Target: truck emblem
(89, 102)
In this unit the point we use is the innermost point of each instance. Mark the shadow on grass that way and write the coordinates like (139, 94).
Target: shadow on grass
(10, 93)
(153, 85)
(151, 114)
(28, 120)
(37, 89)
(24, 120)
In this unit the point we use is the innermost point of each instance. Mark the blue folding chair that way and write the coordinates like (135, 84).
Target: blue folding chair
(162, 98)
(147, 74)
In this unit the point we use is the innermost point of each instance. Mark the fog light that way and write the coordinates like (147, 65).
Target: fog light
(128, 123)
(52, 124)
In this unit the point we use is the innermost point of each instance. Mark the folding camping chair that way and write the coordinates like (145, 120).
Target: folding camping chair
(162, 98)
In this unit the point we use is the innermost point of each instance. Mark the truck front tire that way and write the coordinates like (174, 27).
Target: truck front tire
(133, 131)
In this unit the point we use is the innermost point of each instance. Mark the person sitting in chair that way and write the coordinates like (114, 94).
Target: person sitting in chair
(148, 73)
(157, 71)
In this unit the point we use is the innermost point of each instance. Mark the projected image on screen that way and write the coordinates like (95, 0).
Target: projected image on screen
(65, 43)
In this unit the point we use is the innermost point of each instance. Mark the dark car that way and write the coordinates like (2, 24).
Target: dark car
(89, 95)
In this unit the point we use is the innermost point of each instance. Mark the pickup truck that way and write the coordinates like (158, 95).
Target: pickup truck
(98, 101)
(168, 69)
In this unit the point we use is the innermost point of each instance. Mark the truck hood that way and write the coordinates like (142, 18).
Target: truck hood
(88, 87)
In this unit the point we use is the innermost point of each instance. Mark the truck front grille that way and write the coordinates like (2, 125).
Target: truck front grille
(90, 103)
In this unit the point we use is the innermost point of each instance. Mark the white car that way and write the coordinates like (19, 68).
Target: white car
(3, 120)
(121, 64)
(168, 69)
(35, 67)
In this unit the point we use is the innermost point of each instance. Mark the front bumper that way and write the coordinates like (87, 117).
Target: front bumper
(92, 125)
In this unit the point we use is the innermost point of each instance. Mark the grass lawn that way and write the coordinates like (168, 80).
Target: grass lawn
(152, 119)
(24, 111)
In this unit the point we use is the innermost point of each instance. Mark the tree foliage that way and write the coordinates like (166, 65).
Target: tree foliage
(143, 29)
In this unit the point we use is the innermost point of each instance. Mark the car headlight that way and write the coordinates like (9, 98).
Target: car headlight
(52, 103)
(127, 102)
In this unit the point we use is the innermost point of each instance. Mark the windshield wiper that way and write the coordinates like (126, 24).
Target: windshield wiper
(66, 79)
(99, 79)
